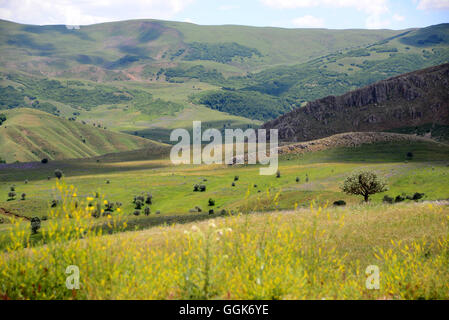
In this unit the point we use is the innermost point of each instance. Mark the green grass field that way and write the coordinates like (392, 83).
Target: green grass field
(172, 186)
(279, 238)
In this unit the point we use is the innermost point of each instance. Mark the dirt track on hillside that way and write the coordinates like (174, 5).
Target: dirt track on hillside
(13, 215)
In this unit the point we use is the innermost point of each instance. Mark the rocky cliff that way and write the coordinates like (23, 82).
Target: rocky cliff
(409, 100)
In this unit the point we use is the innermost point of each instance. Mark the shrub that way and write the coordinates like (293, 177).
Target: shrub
(2, 220)
(233, 184)
(147, 211)
(340, 203)
(58, 174)
(223, 212)
(196, 188)
(409, 155)
(149, 198)
(44, 161)
(236, 178)
(202, 188)
(364, 183)
(12, 188)
(26, 181)
(23, 196)
(2, 118)
(387, 199)
(11, 196)
(158, 212)
(307, 177)
(211, 202)
(95, 214)
(109, 206)
(255, 186)
(139, 205)
(297, 179)
(418, 196)
(44, 218)
(35, 225)
(211, 211)
(137, 213)
(54, 203)
(278, 174)
(108, 182)
(399, 198)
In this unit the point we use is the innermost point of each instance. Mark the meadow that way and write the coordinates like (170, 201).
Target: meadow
(268, 237)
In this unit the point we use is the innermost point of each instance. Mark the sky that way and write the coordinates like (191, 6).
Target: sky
(331, 14)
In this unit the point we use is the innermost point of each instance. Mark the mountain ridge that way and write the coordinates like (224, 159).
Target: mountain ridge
(411, 99)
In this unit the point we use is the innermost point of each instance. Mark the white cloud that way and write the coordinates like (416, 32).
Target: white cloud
(373, 8)
(87, 12)
(369, 6)
(433, 5)
(398, 17)
(308, 22)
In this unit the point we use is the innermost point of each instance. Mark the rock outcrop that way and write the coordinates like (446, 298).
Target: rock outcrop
(409, 100)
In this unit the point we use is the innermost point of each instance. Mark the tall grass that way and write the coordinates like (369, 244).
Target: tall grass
(303, 254)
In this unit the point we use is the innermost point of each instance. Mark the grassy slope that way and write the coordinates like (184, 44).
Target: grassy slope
(282, 46)
(106, 40)
(331, 266)
(302, 254)
(30, 135)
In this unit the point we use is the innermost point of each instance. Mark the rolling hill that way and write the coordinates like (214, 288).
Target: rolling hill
(147, 77)
(31, 135)
(410, 100)
(287, 87)
(123, 45)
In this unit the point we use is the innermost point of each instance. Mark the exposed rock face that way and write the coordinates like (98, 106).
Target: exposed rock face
(408, 100)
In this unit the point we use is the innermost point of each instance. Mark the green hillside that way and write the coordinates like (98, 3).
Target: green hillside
(147, 77)
(334, 74)
(31, 135)
(118, 45)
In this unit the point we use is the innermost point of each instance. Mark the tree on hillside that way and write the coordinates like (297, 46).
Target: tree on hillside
(364, 183)
(2, 118)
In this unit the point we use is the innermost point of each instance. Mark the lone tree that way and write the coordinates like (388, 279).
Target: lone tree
(35, 225)
(364, 183)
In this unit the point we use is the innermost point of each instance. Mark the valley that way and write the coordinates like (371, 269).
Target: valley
(86, 178)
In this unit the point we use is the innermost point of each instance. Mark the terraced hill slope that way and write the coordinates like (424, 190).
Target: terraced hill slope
(31, 135)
